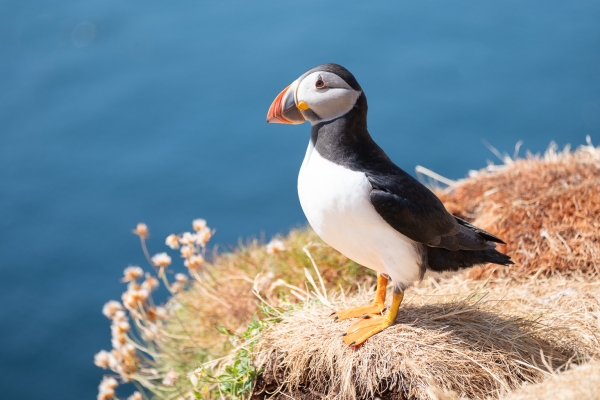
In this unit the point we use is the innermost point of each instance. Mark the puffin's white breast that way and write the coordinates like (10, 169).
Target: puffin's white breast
(336, 203)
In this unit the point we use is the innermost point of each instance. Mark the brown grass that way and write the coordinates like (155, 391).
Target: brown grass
(546, 208)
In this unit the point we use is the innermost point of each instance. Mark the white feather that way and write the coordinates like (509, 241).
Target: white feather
(336, 203)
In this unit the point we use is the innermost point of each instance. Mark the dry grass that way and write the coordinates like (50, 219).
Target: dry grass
(546, 208)
(463, 336)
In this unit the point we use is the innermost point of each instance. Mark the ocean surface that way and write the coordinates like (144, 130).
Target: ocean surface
(119, 111)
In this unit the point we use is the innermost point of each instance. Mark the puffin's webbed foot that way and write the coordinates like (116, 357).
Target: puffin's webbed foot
(370, 325)
(363, 329)
(355, 312)
(376, 307)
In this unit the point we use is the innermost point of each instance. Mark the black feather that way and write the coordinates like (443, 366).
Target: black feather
(441, 260)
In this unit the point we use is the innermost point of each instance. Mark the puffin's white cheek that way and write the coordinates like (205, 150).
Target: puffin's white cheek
(334, 103)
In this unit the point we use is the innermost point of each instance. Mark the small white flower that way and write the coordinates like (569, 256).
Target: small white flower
(150, 283)
(194, 376)
(188, 238)
(113, 360)
(131, 273)
(187, 251)
(275, 246)
(111, 308)
(141, 230)
(199, 224)
(123, 326)
(176, 287)
(161, 260)
(160, 312)
(172, 241)
(194, 262)
(106, 390)
(170, 378)
(128, 350)
(203, 236)
(102, 359)
(181, 278)
(106, 394)
(108, 383)
(120, 316)
(135, 396)
(117, 341)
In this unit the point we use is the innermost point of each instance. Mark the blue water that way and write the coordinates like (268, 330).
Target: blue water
(114, 112)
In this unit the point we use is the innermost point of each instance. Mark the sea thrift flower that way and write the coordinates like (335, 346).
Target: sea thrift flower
(131, 298)
(128, 351)
(108, 383)
(102, 359)
(123, 326)
(161, 312)
(181, 278)
(150, 283)
(106, 390)
(141, 230)
(131, 273)
(175, 287)
(172, 241)
(187, 251)
(113, 361)
(135, 396)
(203, 236)
(117, 341)
(120, 316)
(188, 238)
(161, 260)
(170, 378)
(199, 224)
(106, 394)
(275, 246)
(111, 308)
(194, 262)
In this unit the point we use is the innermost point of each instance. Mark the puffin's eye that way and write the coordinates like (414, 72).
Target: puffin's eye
(320, 84)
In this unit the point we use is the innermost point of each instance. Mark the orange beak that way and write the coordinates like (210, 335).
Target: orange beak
(283, 110)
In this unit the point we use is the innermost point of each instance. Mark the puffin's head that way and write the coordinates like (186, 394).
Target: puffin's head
(321, 94)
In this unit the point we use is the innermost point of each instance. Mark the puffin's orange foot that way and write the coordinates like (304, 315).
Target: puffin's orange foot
(361, 330)
(355, 312)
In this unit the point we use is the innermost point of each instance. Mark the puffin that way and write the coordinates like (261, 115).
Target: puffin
(364, 206)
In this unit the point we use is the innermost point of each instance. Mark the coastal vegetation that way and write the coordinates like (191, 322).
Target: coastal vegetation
(253, 323)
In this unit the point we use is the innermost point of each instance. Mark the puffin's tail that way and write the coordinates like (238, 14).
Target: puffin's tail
(439, 259)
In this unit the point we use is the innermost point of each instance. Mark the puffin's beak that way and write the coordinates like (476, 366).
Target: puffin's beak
(283, 110)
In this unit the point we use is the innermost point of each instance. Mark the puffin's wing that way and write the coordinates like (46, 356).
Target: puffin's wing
(414, 211)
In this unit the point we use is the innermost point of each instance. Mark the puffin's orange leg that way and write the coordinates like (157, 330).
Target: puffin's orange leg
(372, 324)
(376, 307)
